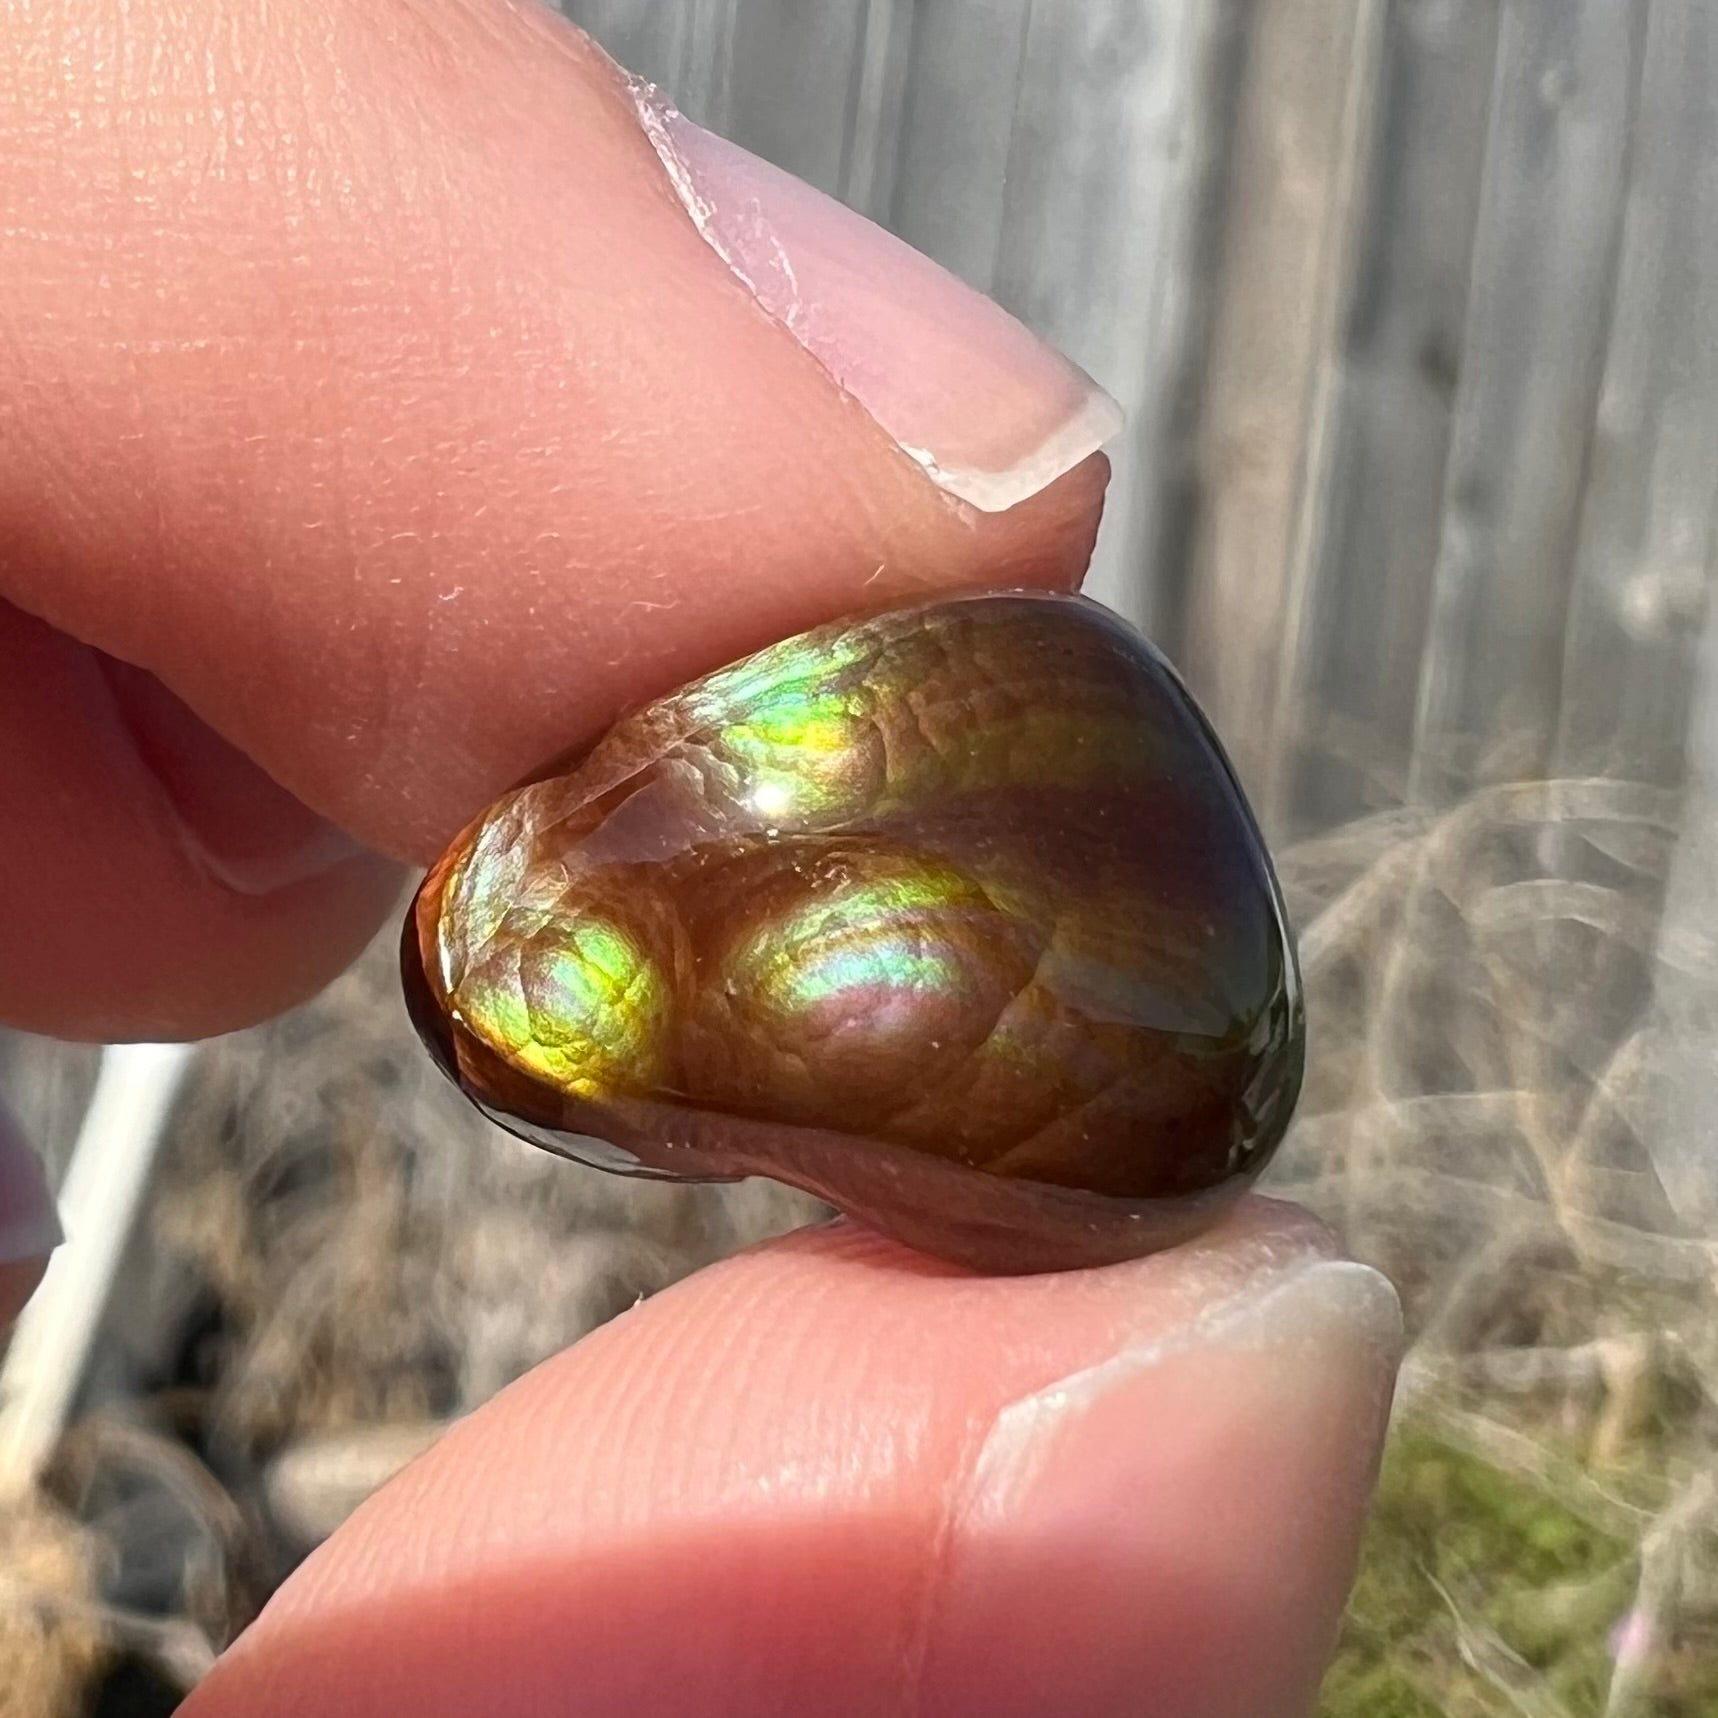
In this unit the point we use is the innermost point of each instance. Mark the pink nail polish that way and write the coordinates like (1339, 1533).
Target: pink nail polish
(987, 409)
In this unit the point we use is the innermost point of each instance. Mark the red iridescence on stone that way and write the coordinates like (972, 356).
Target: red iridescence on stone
(954, 916)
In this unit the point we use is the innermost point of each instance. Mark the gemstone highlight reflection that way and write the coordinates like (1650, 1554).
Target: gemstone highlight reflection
(954, 916)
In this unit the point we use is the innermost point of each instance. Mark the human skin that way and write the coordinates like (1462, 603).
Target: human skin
(376, 423)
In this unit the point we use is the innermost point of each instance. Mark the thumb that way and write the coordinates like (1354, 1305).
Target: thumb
(829, 1476)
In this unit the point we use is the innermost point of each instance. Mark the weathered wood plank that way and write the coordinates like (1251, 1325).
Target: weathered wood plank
(1279, 283)
(1347, 713)
(1650, 502)
(1533, 352)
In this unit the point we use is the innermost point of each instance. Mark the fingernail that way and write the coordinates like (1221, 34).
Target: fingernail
(1200, 1496)
(239, 824)
(989, 411)
(29, 1223)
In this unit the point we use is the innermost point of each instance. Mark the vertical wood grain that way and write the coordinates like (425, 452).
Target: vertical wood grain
(1279, 280)
(1649, 507)
(1347, 710)
(1533, 348)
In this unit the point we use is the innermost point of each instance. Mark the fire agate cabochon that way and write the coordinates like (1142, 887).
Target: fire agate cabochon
(954, 916)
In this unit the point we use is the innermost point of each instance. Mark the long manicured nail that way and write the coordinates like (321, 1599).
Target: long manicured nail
(242, 827)
(1200, 1496)
(989, 411)
(29, 1223)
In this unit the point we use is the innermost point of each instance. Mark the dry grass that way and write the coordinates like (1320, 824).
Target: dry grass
(1500, 1003)
(52, 1638)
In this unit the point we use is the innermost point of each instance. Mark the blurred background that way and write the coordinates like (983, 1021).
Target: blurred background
(1414, 308)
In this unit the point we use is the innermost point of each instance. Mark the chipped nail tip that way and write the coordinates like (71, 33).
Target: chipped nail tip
(985, 408)
(1314, 1304)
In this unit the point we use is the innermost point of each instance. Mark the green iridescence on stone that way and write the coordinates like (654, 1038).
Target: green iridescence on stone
(580, 1003)
(796, 757)
(856, 949)
(954, 915)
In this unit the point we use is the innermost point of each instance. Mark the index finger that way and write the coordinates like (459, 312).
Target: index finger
(391, 394)
(372, 384)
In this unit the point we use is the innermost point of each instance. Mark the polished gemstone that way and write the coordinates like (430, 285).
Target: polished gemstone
(955, 916)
